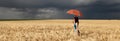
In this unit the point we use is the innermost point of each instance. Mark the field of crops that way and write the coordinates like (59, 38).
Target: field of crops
(59, 30)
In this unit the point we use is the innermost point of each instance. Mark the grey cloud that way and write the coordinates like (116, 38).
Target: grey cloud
(43, 3)
(102, 9)
(30, 13)
(37, 9)
(8, 13)
(111, 1)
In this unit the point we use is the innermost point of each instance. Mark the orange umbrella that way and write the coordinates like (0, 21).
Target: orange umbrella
(74, 12)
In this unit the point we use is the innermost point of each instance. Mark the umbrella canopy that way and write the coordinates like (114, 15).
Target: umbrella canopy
(74, 12)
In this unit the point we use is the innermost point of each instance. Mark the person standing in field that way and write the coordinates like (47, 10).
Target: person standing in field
(76, 13)
(76, 24)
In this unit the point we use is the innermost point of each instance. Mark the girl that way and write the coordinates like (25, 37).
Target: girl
(76, 24)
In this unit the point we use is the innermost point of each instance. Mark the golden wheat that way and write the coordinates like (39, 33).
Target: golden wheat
(59, 30)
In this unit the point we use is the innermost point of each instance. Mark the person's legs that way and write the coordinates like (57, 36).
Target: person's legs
(78, 32)
(75, 27)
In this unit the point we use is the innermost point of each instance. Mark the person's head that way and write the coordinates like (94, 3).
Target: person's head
(75, 16)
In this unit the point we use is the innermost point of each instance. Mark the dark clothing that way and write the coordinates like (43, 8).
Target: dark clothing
(76, 19)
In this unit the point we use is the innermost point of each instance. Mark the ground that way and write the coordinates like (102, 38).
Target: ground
(59, 30)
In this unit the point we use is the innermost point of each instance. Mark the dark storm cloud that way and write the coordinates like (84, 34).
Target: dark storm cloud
(104, 9)
(44, 3)
(9, 13)
(38, 9)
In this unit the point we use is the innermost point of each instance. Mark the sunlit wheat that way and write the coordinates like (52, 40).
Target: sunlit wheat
(59, 30)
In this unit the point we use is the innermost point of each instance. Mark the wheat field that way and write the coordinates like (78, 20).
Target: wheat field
(59, 30)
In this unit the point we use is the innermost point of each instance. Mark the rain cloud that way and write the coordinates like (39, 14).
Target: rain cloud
(54, 9)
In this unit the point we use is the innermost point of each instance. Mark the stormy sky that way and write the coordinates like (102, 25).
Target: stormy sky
(56, 9)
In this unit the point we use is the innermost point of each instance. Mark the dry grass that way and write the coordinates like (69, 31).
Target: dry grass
(59, 30)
